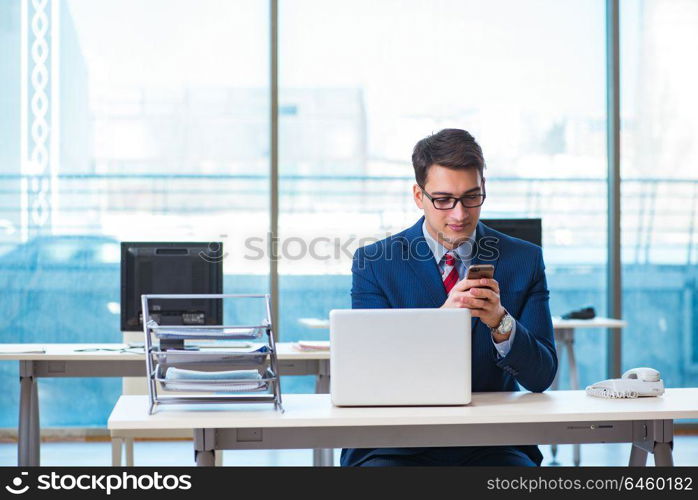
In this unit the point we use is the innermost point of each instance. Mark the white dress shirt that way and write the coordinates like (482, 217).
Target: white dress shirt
(464, 256)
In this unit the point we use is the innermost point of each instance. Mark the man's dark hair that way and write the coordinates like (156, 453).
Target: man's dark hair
(451, 148)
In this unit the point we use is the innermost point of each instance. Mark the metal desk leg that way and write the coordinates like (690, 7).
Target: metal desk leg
(204, 453)
(25, 397)
(322, 382)
(28, 435)
(663, 443)
(662, 455)
(574, 381)
(323, 457)
(128, 444)
(205, 458)
(574, 384)
(638, 457)
(116, 452)
(656, 437)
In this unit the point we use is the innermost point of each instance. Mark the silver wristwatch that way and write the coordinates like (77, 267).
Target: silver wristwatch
(505, 325)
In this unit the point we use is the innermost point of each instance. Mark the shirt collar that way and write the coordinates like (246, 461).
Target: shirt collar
(463, 251)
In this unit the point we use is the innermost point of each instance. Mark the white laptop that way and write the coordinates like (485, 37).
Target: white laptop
(396, 357)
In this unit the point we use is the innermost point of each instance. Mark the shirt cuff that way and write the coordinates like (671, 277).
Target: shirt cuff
(503, 348)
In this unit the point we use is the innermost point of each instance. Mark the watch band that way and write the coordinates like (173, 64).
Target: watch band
(507, 318)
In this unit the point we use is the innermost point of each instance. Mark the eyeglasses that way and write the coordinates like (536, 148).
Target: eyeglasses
(449, 202)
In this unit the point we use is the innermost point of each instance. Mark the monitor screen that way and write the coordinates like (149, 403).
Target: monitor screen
(526, 229)
(171, 268)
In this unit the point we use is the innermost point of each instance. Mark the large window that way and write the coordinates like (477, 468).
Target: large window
(660, 187)
(131, 120)
(127, 121)
(362, 81)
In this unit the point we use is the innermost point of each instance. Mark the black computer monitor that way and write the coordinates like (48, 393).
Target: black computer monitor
(171, 268)
(530, 230)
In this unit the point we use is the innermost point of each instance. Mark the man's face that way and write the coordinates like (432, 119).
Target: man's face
(450, 227)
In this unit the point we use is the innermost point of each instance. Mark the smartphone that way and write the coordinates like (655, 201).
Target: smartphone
(478, 271)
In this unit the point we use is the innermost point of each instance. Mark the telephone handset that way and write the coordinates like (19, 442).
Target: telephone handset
(634, 383)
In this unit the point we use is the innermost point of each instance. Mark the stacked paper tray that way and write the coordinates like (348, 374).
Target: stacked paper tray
(207, 332)
(217, 385)
(178, 359)
(213, 359)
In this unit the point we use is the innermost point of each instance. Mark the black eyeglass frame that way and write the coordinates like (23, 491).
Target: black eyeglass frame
(455, 200)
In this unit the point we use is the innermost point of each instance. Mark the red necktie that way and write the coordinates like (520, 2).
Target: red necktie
(450, 271)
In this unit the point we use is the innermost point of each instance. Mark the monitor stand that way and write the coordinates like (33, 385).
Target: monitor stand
(134, 385)
(133, 339)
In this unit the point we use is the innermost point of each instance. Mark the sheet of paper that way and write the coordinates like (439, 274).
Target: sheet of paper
(21, 349)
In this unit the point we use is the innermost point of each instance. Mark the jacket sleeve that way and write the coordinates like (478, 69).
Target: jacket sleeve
(532, 359)
(365, 291)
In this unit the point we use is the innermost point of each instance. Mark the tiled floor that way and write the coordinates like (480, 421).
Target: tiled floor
(178, 453)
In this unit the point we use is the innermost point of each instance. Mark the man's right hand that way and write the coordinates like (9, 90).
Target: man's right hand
(460, 296)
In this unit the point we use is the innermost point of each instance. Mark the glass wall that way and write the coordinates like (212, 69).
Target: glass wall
(125, 121)
(149, 120)
(361, 82)
(659, 156)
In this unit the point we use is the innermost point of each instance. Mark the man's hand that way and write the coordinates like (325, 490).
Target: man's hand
(481, 296)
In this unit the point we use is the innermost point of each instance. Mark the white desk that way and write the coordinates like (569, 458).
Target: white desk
(92, 360)
(564, 331)
(65, 360)
(498, 418)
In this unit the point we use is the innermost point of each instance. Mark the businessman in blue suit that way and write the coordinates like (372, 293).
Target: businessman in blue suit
(425, 266)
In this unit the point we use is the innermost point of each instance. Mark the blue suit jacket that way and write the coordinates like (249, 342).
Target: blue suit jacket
(401, 272)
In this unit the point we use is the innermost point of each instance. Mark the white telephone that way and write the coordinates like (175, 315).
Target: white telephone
(634, 383)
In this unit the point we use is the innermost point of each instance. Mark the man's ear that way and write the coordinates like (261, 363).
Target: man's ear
(417, 193)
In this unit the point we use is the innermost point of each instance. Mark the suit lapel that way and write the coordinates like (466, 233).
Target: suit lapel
(488, 248)
(423, 264)
(421, 261)
(486, 252)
